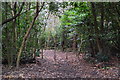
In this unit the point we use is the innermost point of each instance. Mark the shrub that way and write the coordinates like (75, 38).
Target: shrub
(102, 57)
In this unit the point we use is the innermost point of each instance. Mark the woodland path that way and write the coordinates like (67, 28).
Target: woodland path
(64, 68)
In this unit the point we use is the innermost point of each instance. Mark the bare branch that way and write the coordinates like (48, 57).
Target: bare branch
(18, 14)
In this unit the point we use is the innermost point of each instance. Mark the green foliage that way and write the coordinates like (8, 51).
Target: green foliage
(53, 7)
(73, 21)
(102, 57)
(77, 28)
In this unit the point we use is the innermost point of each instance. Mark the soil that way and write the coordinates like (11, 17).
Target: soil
(61, 67)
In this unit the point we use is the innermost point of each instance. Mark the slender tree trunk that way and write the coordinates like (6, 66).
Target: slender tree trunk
(24, 40)
(27, 33)
(42, 53)
(18, 14)
(102, 17)
(55, 55)
(96, 26)
(80, 45)
(92, 47)
(74, 43)
(55, 50)
(102, 25)
(13, 6)
(8, 33)
(34, 55)
(66, 54)
(8, 50)
(63, 40)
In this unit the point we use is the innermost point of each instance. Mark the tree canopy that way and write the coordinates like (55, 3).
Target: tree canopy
(89, 27)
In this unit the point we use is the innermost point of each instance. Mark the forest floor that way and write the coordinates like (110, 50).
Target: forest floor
(62, 67)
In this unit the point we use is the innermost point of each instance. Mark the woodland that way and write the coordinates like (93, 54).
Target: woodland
(60, 40)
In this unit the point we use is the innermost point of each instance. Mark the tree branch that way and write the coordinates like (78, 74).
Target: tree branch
(18, 14)
(27, 33)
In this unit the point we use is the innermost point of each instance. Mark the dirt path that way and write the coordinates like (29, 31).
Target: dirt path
(65, 68)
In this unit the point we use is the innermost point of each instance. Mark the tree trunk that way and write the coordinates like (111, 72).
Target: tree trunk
(34, 55)
(63, 40)
(14, 46)
(74, 43)
(14, 17)
(27, 33)
(42, 53)
(96, 27)
(102, 17)
(80, 45)
(55, 50)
